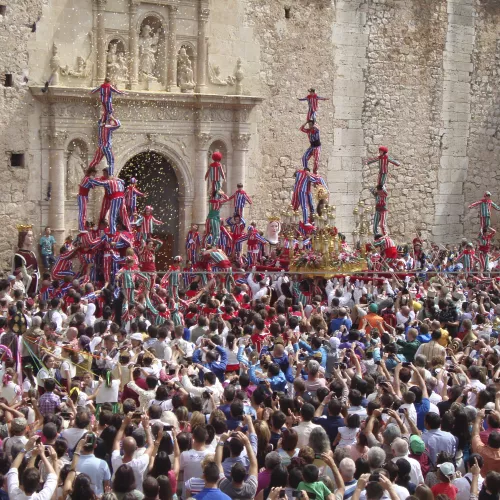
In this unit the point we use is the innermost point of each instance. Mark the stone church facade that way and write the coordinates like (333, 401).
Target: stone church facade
(419, 76)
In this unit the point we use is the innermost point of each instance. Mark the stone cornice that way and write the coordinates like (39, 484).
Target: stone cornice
(193, 101)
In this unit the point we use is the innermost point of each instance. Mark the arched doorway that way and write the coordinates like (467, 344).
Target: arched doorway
(157, 179)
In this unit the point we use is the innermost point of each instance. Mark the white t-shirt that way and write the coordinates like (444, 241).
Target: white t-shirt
(11, 392)
(347, 436)
(108, 394)
(72, 436)
(190, 463)
(139, 466)
(67, 366)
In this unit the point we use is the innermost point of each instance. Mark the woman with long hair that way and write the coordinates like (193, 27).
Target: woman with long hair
(82, 488)
(124, 482)
(29, 382)
(231, 348)
(166, 489)
(46, 371)
(263, 437)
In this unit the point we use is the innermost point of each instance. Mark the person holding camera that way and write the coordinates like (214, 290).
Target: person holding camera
(211, 392)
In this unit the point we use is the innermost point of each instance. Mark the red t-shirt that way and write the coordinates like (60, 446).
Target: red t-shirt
(129, 393)
(445, 488)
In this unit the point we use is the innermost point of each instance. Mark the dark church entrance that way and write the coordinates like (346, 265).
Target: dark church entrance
(156, 178)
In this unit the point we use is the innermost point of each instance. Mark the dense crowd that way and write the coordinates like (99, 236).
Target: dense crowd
(282, 388)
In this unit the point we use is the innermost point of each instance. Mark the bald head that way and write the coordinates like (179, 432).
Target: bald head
(71, 333)
(129, 446)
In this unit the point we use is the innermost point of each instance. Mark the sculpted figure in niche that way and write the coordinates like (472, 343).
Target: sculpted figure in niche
(185, 71)
(273, 231)
(76, 166)
(113, 66)
(123, 66)
(148, 45)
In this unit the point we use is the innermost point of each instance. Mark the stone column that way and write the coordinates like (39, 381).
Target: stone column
(172, 49)
(101, 40)
(133, 50)
(240, 147)
(201, 77)
(200, 207)
(57, 178)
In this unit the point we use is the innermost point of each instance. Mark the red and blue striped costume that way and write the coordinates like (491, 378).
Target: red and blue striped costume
(485, 206)
(314, 148)
(114, 202)
(147, 260)
(86, 184)
(312, 103)
(188, 276)
(106, 91)
(64, 266)
(146, 224)
(105, 144)
(131, 194)
(237, 230)
(215, 174)
(255, 245)
(302, 196)
(240, 198)
(193, 244)
(226, 240)
(383, 164)
(380, 215)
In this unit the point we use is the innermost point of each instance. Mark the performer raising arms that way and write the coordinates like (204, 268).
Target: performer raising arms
(131, 194)
(485, 206)
(147, 258)
(314, 148)
(146, 223)
(383, 164)
(240, 198)
(106, 91)
(312, 102)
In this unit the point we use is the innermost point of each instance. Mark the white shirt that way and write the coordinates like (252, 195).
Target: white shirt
(304, 430)
(416, 476)
(72, 436)
(216, 389)
(139, 466)
(15, 493)
(67, 365)
(401, 319)
(108, 394)
(190, 463)
(57, 318)
(472, 397)
(464, 486)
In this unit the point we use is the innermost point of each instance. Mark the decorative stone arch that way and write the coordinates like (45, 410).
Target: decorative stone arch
(181, 169)
(122, 42)
(79, 137)
(184, 176)
(151, 13)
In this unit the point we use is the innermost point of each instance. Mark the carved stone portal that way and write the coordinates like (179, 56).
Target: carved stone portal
(76, 166)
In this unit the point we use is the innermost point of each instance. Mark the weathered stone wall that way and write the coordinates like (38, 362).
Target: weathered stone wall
(402, 107)
(293, 58)
(19, 193)
(484, 139)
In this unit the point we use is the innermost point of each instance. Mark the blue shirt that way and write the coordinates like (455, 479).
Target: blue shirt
(218, 367)
(422, 409)
(437, 440)
(336, 323)
(96, 469)
(229, 462)
(46, 243)
(423, 339)
(211, 494)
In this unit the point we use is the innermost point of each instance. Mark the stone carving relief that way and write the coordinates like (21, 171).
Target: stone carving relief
(76, 165)
(116, 62)
(148, 48)
(55, 65)
(240, 141)
(185, 71)
(83, 67)
(238, 76)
